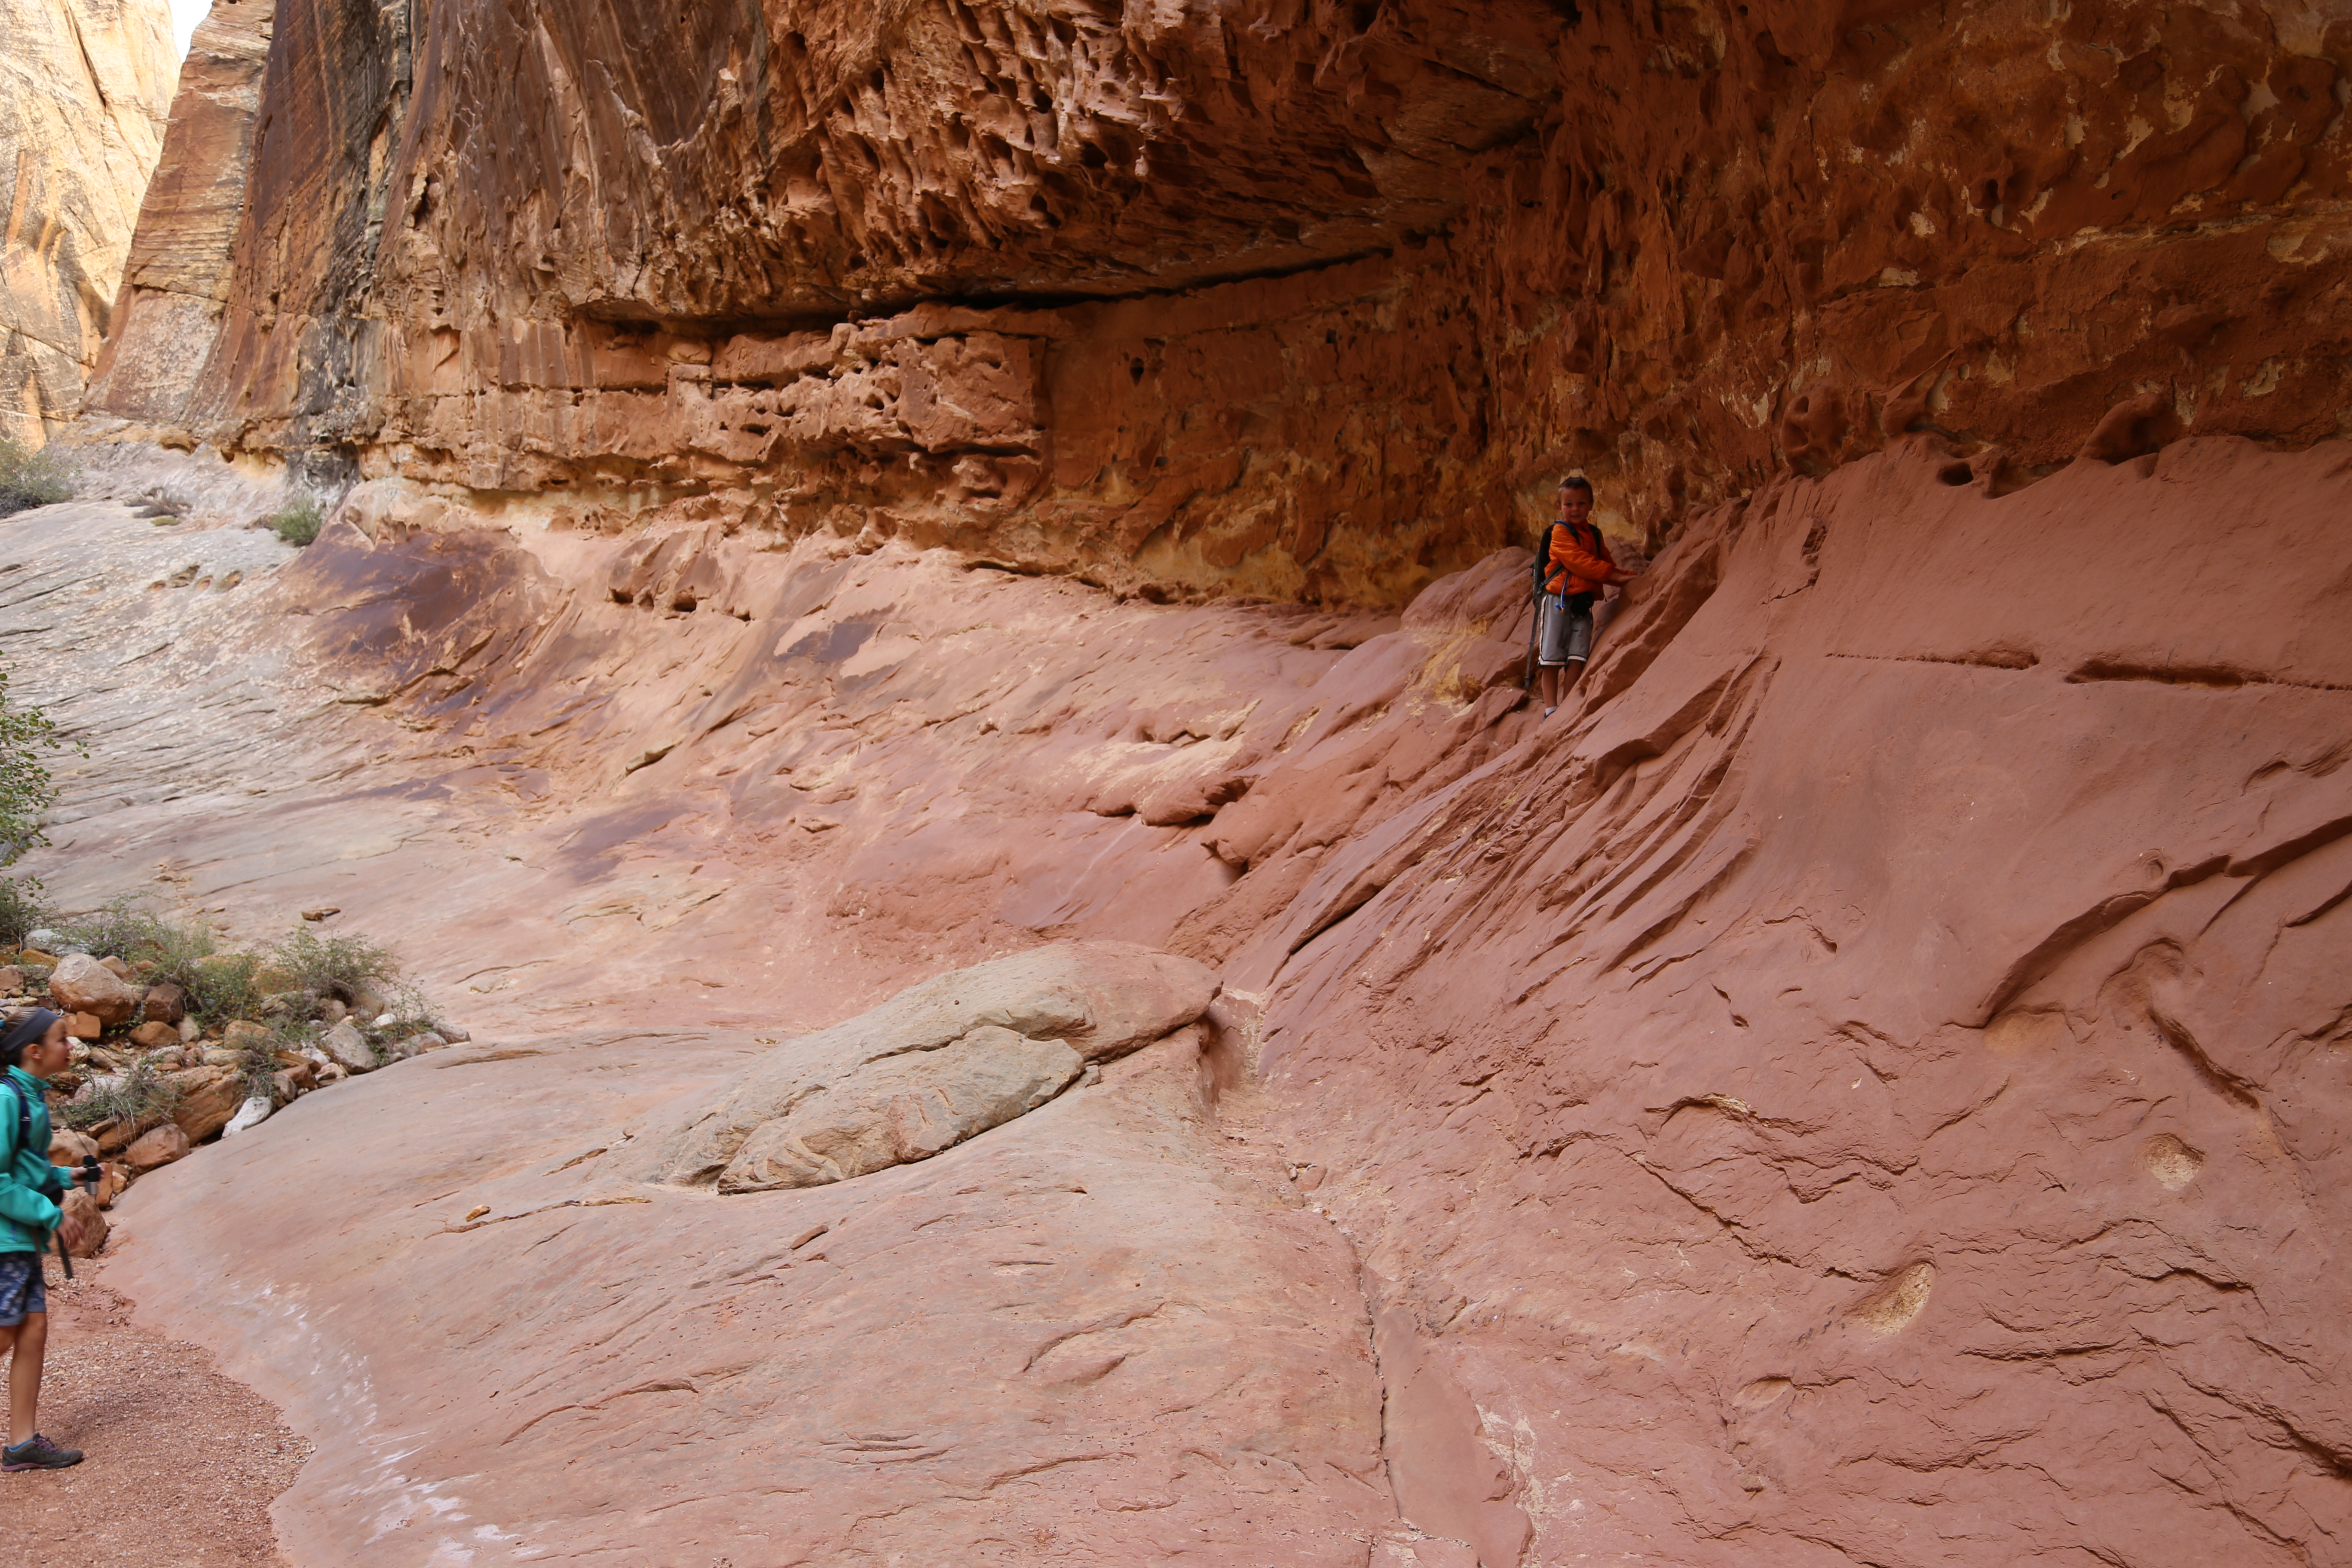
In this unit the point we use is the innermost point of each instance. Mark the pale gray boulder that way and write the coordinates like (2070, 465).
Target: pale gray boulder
(906, 1108)
(348, 1048)
(937, 1064)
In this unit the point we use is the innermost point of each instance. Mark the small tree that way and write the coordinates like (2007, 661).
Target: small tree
(26, 791)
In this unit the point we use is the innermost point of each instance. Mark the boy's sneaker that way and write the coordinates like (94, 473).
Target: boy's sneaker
(37, 1453)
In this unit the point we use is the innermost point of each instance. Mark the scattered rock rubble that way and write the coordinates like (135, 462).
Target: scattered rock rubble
(147, 1081)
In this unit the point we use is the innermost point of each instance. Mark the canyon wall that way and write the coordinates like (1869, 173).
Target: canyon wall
(176, 285)
(1290, 297)
(84, 89)
(831, 499)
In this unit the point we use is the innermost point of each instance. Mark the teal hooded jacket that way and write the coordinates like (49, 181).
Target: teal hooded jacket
(29, 1184)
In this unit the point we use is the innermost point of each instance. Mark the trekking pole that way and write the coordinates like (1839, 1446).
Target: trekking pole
(1528, 671)
(87, 1179)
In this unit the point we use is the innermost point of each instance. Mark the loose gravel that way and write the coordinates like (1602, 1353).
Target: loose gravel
(183, 1462)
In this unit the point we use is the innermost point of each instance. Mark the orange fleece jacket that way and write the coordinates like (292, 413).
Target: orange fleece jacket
(1574, 568)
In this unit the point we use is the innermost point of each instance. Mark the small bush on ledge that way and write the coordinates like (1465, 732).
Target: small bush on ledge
(297, 524)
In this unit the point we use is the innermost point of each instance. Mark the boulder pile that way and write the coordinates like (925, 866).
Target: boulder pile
(151, 1077)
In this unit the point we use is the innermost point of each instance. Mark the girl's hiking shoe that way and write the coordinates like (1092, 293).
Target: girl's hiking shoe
(37, 1453)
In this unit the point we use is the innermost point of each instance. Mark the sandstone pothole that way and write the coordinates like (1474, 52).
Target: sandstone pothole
(1904, 1297)
(2173, 1164)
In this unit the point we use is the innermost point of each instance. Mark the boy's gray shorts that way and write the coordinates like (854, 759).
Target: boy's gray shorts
(23, 1290)
(1562, 636)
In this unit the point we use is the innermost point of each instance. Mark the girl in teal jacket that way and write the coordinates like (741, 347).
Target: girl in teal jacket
(30, 1190)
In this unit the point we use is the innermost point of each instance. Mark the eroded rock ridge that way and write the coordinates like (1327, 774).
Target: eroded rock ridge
(1307, 298)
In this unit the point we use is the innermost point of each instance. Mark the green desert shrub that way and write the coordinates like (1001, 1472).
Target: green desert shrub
(412, 1013)
(297, 522)
(280, 989)
(219, 986)
(333, 965)
(139, 1093)
(23, 910)
(31, 479)
(27, 790)
(120, 929)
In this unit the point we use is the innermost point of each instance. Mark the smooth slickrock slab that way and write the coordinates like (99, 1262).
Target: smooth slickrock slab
(1080, 1337)
(1866, 1072)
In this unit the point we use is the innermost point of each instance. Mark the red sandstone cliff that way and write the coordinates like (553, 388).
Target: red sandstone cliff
(1861, 1085)
(1308, 298)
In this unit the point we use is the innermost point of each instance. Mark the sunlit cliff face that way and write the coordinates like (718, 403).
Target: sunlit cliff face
(1306, 300)
(83, 102)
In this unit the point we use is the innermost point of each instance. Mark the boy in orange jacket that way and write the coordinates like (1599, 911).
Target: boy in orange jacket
(1576, 566)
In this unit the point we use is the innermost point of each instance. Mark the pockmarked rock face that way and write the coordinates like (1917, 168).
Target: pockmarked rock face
(1290, 297)
(84, 91)
(937, 1064)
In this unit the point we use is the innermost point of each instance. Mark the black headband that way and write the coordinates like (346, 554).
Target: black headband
(25, 1030)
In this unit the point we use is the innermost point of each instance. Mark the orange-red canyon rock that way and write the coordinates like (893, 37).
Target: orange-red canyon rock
(177, 284)
(1862, 1082)
(846, 499)
(1293, 296)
